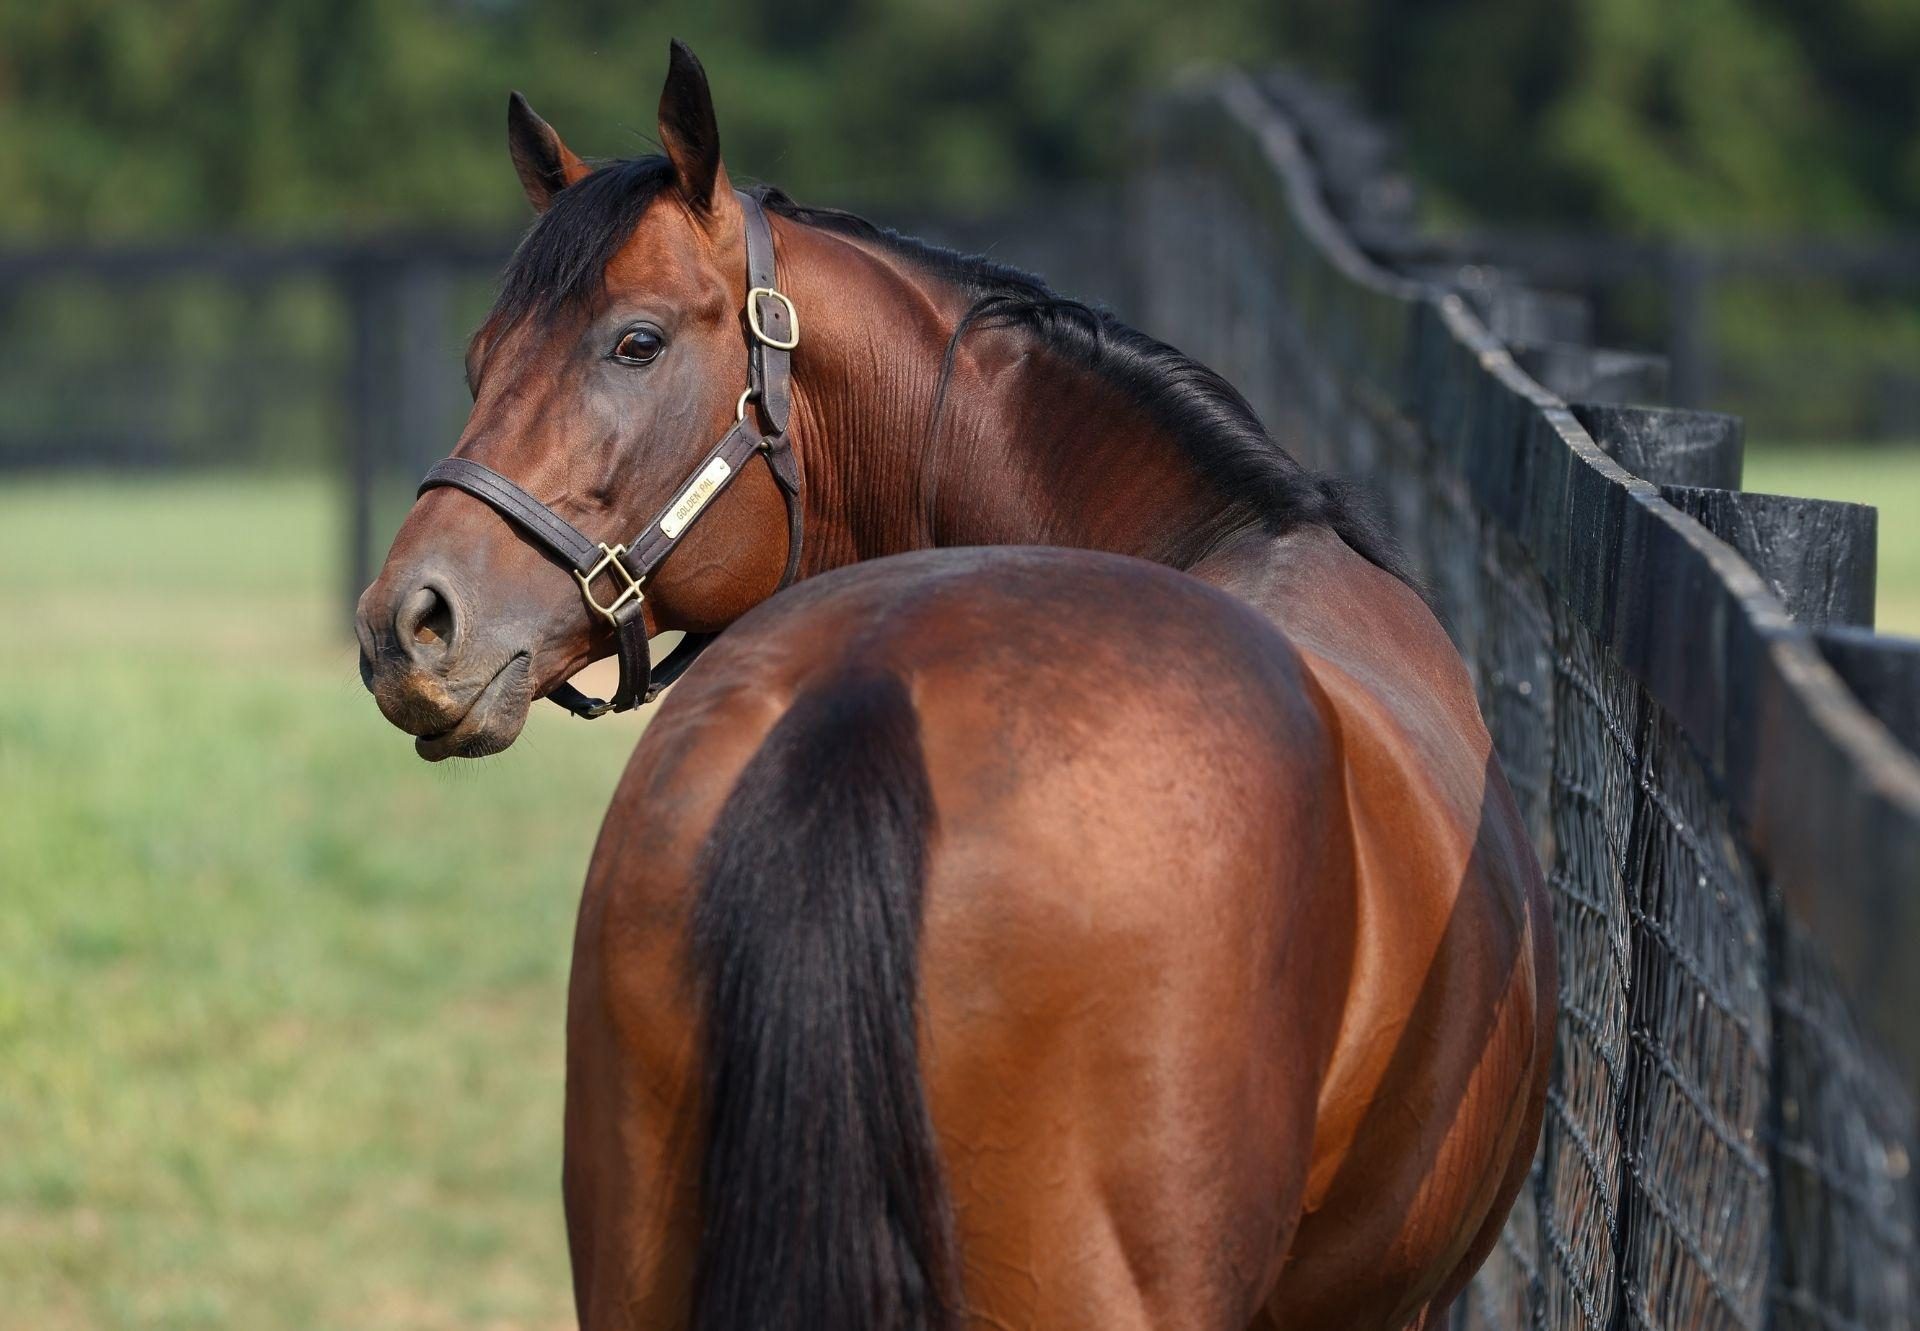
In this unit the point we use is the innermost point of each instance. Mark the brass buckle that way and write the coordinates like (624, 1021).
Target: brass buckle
(609, 559)
(753, 318)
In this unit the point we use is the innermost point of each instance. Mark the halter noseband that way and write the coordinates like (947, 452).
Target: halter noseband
(773, 331)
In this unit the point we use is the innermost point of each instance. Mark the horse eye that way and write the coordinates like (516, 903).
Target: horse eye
(639, 346)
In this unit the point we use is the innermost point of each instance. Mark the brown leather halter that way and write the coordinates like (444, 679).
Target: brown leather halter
(773, 331)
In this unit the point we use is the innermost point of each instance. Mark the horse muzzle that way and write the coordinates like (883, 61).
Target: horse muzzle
(433, 682)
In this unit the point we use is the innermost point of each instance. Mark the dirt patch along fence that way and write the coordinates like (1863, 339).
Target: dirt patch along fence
(1731, 835)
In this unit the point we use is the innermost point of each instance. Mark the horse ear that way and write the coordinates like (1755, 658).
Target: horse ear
(545, 164)
(688, 130)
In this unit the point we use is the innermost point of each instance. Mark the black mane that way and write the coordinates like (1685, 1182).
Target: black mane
(565, 254)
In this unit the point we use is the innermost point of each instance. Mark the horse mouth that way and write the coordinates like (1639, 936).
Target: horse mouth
(491, 722)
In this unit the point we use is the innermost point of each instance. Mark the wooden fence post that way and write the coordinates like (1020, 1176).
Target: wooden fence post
(361, 280)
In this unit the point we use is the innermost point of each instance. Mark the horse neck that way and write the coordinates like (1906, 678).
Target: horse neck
(1027, 448)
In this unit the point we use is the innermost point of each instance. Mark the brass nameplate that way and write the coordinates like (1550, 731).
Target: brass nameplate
(694, 498)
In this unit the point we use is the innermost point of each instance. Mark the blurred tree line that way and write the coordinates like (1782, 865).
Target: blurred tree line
(1697, 117)
(314, 115)
(307, 116)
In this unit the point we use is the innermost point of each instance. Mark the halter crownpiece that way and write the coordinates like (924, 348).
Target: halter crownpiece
(773, 331)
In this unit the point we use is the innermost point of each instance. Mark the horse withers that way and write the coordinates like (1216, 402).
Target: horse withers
(1088, 898)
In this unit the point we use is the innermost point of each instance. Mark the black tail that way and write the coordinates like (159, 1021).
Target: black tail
(822, 1194)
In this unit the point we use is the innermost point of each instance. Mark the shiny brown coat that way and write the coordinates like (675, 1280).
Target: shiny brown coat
(1235, 982)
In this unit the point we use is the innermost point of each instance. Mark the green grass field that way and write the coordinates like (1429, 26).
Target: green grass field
(280, 1005)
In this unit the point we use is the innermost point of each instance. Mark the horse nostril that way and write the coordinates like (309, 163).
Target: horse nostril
(424, 626)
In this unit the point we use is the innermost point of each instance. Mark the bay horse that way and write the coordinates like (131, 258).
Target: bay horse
(1088, 897)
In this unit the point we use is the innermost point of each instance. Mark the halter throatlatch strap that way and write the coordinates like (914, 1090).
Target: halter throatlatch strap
(773, 331)
(612, 577)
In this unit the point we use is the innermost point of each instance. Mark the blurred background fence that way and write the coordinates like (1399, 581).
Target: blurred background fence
(220, 355)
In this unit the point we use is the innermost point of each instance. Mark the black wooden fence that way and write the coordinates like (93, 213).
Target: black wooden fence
(340, 357)
(1732, 837)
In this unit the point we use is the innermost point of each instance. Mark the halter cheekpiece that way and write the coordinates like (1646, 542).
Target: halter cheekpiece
(773, 331)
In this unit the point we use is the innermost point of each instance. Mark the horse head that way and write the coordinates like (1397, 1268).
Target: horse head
(623, 343)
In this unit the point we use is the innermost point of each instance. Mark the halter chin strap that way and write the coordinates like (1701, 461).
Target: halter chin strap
(622, 571)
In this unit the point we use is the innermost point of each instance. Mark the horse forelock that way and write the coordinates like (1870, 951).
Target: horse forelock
(563, 258)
